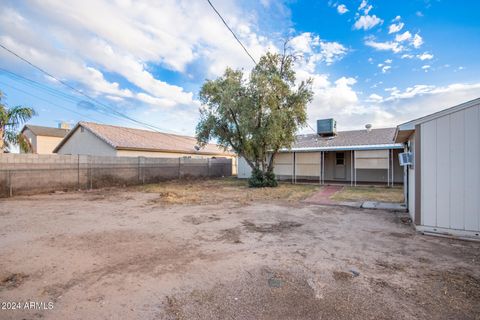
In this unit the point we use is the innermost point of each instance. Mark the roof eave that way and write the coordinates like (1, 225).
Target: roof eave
(174, 151)
(346, 148)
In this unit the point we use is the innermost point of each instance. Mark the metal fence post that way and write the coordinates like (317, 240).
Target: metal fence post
(179, 168)
(10, 188)
(138, 168)
(143, 170)
(208, 167)
(90, 171)
(78, 172)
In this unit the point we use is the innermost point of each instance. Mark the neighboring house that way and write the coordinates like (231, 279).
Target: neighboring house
(443, 184)
(105, 140)
(349, 157)
(44, 139)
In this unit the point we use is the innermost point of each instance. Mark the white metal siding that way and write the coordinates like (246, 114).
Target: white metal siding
(450, 171)
(411, 182)
(472, 176)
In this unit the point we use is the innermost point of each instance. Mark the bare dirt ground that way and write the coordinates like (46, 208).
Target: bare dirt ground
(226, 252)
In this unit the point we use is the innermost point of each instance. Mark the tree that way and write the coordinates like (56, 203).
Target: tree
(255, 116)
(10, 121)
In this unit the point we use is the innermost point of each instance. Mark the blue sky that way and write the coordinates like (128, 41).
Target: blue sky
(372, 61)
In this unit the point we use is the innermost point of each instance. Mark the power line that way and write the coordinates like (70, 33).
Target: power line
(47, 101)
(233, 33)
(73, 99)
(128, 130)
(151, 127)
(311, 127)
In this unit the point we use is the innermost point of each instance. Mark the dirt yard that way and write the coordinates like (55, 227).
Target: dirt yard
(218, 250)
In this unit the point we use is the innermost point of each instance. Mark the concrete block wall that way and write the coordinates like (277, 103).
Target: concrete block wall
(32, 173)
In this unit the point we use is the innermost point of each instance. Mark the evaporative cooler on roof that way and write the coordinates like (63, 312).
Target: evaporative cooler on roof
(326, 127)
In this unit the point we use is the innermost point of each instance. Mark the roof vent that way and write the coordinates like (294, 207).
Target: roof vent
(326, 127)
(368, 126)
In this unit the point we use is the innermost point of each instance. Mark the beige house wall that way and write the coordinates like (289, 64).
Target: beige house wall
(85, 142)
(41, 144)
(160, 154)
(45, 145)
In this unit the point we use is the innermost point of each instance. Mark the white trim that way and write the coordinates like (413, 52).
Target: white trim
(445, 232)
(346, 148)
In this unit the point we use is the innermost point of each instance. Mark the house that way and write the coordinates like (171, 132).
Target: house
(443, 179)
(44, 139)
(90, 138)
(348, 157)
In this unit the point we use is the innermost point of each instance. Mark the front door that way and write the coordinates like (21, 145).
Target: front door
(340, 167)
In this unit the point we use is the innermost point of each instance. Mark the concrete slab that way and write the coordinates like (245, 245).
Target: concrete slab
(384, 206)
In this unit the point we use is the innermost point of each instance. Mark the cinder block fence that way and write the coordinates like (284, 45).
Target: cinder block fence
(32, 173)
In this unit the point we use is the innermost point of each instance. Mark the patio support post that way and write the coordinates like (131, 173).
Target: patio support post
(388, 170)
(293, 168)
(320, 168)
(355, 168)
(393, 166)
(351, 168)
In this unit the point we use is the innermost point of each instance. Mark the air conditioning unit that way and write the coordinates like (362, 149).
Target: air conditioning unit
(326, 127)
(405, 158)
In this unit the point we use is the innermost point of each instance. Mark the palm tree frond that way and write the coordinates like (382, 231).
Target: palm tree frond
(18, 115)
(24, 144)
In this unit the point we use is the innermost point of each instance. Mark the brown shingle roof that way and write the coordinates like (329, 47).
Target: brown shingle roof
(137, 139)
(347, 139)
(46, 131)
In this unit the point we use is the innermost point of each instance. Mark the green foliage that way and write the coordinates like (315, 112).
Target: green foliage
(256, 116)
(260, 179)
(10, 121)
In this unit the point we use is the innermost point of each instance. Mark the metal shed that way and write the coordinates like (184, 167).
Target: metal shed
(443, 182)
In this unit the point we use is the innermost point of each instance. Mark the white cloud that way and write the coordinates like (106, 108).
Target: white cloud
(417, 41)
(403, 36)
(374, 98)
(393, 46)
(81, 43)
(342, 9)
(384, 67)
(419, 14)
(425, 56)
(314, 50)
(426, 67)
(395, 27)
(408, 56)
(367, 22)
(363, 4)
(397, 18)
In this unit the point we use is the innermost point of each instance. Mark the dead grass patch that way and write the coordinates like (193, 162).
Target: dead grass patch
(271, 228)
(382, 194)
(213, 191)
(12, 280)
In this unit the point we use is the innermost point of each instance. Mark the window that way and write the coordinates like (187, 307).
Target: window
(82, 129)
(340, 158)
